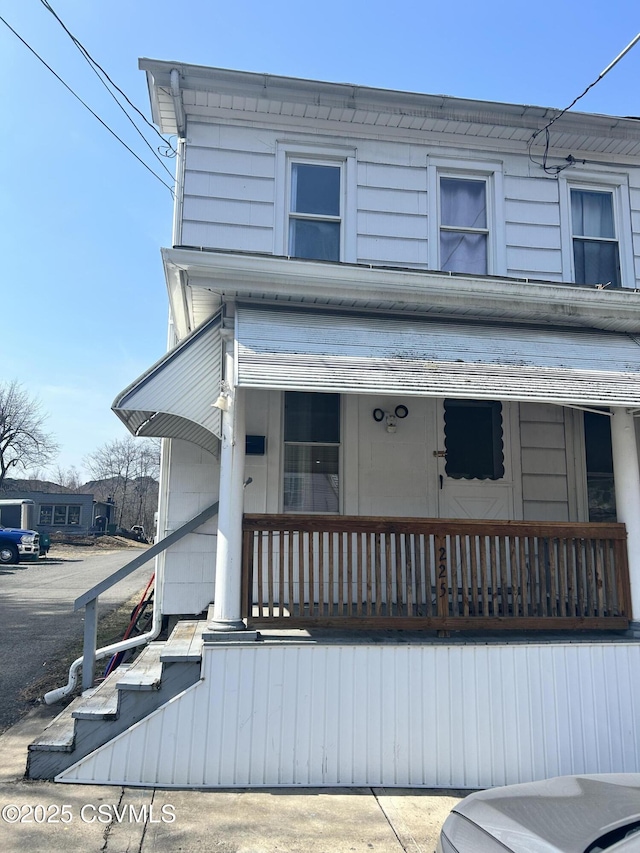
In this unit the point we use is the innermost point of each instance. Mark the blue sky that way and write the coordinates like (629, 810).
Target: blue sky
(83, 296)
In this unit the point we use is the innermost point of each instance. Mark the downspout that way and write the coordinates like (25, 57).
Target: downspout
(181, 126)
(60, 692)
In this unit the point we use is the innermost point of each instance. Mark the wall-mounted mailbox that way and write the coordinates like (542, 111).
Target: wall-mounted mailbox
(255, 445)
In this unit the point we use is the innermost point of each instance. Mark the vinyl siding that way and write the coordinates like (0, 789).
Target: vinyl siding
(228, 195)
(189, 567)
(393, 715)
(532, 227)
(392, 213)
(230, 203)
(193, 486)
(545, 486)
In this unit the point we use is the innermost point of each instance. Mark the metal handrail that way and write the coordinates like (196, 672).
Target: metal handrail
(89, 600)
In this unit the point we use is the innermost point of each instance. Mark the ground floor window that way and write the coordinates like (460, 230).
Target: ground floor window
(60, 515)
(311, 452)
(600, 487)
(473, 439)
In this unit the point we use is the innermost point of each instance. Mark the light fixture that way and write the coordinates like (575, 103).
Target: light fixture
(223, 398)
(222, 403)
(390, 418)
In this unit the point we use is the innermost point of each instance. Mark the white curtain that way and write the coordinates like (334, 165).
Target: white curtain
(463, 205)
(592, 214)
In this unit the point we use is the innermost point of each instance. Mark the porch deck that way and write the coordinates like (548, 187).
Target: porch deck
(356, 572)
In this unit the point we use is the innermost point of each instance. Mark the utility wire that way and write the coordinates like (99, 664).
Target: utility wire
(86, 106)
(92, 65)
(99, 70)
(570, 160)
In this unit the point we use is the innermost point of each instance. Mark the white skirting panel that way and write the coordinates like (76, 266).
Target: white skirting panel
(462, 716)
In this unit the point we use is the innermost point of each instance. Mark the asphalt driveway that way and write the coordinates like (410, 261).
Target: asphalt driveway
(38, 625)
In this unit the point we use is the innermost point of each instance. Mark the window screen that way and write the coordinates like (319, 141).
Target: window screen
(473, 439)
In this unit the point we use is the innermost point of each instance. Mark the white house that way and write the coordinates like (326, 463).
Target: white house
(405, 363)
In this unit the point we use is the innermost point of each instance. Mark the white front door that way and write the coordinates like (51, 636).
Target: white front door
(475, 470)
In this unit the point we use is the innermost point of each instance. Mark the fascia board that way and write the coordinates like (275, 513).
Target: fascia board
(524, 300)
(383, 101)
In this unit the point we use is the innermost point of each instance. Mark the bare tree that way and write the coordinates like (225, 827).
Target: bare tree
(24, 441)
(127, 470)
(68, 478)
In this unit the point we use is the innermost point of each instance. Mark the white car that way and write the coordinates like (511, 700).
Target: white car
(568, 814)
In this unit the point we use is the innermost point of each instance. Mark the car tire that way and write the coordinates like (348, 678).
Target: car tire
(8, 554)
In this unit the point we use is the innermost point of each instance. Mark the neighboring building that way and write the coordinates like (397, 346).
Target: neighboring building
(419, 350)
(54, 512)
(104, 514)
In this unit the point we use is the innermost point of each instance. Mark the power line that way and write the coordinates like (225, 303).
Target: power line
(570, 160)
(85, 105)
(92, 64)
(99, 70)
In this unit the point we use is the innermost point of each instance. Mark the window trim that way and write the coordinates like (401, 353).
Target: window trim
(618, 186)
(320, 155)
(490, 171)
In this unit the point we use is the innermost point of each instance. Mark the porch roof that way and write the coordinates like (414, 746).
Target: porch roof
(173, 397)
(321, 351)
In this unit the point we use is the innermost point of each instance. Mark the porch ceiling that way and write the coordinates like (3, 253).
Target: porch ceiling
(173, 399)
(296, 350)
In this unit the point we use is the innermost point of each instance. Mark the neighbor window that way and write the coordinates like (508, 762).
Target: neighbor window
(60, 515)
(473, 439)
(464, 230)
(311, 452)
(595, 246)
(315, 211)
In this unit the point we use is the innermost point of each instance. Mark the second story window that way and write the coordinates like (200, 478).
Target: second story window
(315, 215)
(464, 232)
(595, 246)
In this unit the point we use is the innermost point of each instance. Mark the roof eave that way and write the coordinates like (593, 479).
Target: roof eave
(237, 275)
(351, 96)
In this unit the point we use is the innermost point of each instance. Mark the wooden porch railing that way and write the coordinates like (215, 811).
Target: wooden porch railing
(368, 572)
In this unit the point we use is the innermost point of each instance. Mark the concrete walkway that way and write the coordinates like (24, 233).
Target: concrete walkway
(88, 819)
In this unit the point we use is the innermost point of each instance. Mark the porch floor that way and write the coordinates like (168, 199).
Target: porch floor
(396, 636)
(335, 636)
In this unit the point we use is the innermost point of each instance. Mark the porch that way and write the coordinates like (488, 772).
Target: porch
(356, 572)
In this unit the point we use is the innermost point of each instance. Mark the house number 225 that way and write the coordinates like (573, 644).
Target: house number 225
(442, 572)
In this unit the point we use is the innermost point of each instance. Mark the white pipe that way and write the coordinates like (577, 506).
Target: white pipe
(60, 692)
(176, 97)
(176, 238)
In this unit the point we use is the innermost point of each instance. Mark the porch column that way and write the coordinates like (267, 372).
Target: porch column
(626, 475)
(226, 603)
